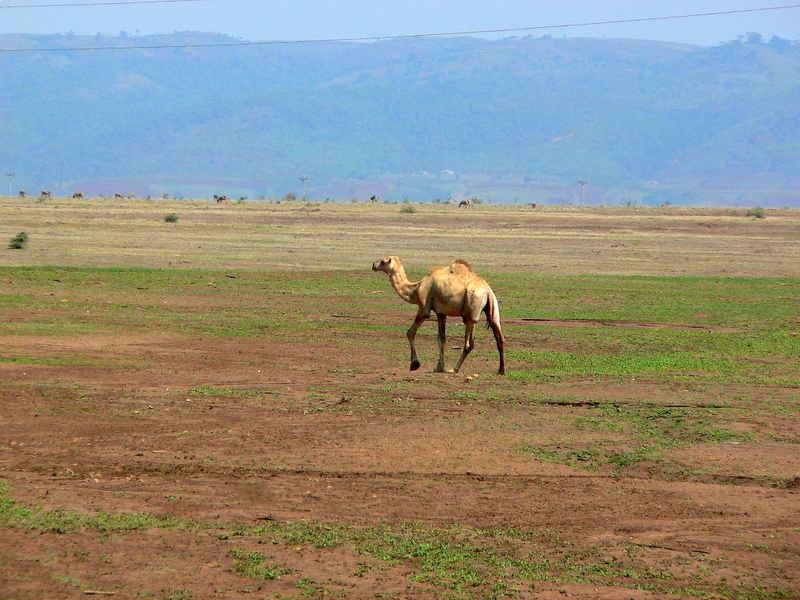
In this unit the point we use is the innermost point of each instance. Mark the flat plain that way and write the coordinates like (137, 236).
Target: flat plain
(221, 407)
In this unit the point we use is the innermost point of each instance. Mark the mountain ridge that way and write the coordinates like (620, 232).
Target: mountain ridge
(519, 119)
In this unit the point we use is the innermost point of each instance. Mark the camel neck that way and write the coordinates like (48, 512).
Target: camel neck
(404, 288)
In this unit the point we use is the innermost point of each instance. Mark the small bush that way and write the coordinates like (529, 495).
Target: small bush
(408, 208)
(18, 241)
(171, 218)
(756, 212)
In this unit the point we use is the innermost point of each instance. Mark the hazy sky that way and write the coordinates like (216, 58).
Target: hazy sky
(305, 19)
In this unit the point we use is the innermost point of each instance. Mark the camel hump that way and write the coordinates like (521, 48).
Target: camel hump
(460, 263)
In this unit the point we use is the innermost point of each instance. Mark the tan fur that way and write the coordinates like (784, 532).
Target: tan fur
(448, 291)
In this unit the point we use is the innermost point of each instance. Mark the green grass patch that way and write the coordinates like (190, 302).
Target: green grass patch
(209, 390)
(642, 433)
(735, 302)
(251, 565)
(12, 300)
(15, 515)
(451, 561)
(25, 360)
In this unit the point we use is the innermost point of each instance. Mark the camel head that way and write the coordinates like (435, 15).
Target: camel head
(388, 265)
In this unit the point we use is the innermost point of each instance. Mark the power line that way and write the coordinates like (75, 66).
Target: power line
(116, 3)
(375, 38)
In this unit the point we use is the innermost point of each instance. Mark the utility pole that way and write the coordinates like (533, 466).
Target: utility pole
(304, 179)
(10, 176)
(583, 192)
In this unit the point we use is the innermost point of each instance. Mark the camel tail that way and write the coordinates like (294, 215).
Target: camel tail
(492, 310)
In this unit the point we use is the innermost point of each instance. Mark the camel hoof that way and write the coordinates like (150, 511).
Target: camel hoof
(415, 365)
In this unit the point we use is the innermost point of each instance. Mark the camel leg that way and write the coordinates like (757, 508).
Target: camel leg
(469, 342)
(412, 332)
(498, 337)
(442, 341)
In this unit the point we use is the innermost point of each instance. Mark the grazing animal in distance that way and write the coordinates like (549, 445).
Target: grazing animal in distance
(22, 193)
(465, 202)
(77, 195)
(449, 291)
(118, 196)
(46, 194)
(373, 198)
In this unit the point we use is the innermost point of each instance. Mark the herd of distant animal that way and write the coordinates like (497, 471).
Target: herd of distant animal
(77, 195)
(117, 196)
(218, 199)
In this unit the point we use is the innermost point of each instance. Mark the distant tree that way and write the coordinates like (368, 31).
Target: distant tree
(756, 212)
(780, 45)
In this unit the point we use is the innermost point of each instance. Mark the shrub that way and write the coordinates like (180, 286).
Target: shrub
(171, 218)
(290, 197)
(408, 208)
(756, 212)
(18, 241)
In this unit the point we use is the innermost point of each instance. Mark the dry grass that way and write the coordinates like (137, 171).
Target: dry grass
(307, 235)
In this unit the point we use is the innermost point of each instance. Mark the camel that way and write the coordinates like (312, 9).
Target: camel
(449, 291)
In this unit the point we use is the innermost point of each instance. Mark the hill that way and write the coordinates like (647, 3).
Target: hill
(515, 119)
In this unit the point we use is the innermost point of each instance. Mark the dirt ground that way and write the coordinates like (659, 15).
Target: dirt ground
(154, 423)
(251, 460)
